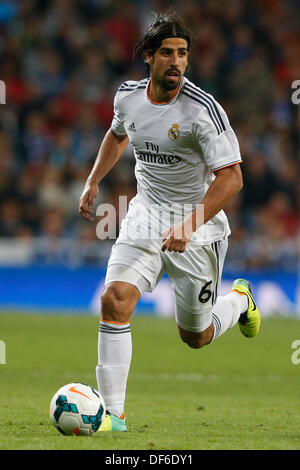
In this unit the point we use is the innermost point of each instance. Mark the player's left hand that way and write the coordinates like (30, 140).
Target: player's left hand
(177, 237)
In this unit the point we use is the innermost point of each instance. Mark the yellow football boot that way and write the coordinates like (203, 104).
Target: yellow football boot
(113, 423)
(249, 321)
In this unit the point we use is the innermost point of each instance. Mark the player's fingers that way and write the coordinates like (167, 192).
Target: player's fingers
(86, 215)
(90, 202)
(84, 210)
(175, 247)
(87, 202)
(85, 206)
(165, 245)
(171, 246)
(83, 199)
(87, 199)
(178, 246)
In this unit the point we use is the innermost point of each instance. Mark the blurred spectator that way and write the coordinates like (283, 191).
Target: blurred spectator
(93, 75)
(10, 217)
(64, 108)
(53, 193)
(260, 182)
(37, 139)
(27, 193)
(7, 166)
(52, 75)
(86, 136)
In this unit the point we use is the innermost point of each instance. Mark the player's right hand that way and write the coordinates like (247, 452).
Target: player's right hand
(86, 201)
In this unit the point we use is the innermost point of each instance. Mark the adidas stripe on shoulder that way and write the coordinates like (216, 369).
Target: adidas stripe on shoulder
(133, 85)
(208, 102)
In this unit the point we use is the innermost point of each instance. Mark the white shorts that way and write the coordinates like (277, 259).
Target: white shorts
(195, 276)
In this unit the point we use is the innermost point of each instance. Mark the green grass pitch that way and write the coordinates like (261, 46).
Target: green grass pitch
(236, 393)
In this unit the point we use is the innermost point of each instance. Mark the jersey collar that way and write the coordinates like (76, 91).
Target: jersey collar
(166, 102)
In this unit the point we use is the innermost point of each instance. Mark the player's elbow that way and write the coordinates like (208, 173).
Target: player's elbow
(236, 180)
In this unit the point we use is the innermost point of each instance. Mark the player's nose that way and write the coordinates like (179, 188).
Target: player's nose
(175, 59)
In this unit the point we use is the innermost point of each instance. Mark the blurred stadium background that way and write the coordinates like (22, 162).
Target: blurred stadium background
(62, 61)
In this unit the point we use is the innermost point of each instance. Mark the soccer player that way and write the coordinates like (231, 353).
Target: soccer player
(187, 170)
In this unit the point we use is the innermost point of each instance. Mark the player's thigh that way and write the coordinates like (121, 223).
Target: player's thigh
(196, 276)
(131, 271)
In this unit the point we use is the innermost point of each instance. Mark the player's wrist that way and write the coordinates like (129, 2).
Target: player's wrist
(189, 226)
(188, 229)
(92, 181)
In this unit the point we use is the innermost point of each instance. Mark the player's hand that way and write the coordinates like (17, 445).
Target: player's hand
(86, 201)
(176, 238)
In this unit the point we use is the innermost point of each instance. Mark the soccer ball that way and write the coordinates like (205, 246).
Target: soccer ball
(77, 408)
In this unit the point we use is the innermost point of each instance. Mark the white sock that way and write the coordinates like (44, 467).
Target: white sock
(227, 311)
(114, 357)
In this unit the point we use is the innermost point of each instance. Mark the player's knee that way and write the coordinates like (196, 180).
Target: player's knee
(114, 307)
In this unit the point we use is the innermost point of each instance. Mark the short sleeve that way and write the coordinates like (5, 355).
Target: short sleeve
(218, 142)
(117, 125)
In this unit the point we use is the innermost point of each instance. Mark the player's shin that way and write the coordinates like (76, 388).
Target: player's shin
(114, 357)
(227, 311)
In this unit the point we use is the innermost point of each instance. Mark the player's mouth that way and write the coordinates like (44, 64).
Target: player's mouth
(172, 75)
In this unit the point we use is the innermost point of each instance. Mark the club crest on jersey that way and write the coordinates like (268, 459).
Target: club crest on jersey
(173, 132)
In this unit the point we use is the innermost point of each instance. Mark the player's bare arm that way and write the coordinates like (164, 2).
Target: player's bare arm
(228, 182)
(110, 151)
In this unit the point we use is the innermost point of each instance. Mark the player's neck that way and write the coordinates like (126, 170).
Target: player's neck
(158, 94)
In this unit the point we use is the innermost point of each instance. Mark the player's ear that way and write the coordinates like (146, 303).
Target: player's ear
(148, 58)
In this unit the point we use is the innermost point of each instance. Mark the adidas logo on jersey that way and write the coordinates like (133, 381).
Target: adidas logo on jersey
(132, 127)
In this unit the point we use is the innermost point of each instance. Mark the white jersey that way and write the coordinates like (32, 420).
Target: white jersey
(177, 145)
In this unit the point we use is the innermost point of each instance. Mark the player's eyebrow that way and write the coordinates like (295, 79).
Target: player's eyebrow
(170, 49)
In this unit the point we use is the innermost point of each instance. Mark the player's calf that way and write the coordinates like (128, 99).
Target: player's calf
(118, 302)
